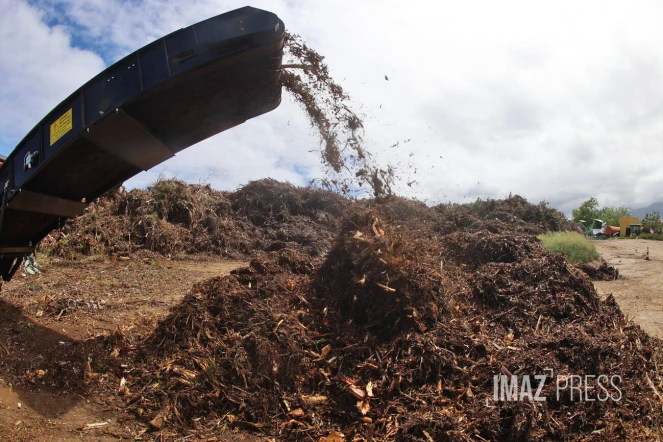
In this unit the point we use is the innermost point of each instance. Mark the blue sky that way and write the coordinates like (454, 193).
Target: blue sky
(554, 101)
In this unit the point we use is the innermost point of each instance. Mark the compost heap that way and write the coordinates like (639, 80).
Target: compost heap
(397, 335)
(174, 218)
(599, 271)
(518, 214)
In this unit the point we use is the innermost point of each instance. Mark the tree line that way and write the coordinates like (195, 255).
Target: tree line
(590, 210)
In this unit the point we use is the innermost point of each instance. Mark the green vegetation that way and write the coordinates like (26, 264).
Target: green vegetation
(590, 210)
(652, 221)
(575, 246)
(656, 236)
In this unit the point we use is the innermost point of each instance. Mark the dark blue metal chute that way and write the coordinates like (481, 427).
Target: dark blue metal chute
(139, 112)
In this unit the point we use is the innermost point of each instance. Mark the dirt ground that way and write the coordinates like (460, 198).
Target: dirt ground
(639, 290)
(72, 302)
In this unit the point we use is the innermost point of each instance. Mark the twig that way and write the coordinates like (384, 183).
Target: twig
(382, 286)
(95, 425)
(653, 387)
(4, 348)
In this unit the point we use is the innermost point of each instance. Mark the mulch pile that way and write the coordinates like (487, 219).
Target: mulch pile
(599, 270)
(175, 218)
(515, 211)
(397, 334)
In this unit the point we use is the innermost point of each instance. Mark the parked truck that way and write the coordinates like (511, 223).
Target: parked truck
(599, 229)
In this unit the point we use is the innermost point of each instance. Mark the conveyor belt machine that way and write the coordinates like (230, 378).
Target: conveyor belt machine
(168, 95)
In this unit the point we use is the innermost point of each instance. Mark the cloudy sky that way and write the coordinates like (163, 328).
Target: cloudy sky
(555, 101)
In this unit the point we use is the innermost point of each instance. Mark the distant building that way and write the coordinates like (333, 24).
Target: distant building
(625, 224)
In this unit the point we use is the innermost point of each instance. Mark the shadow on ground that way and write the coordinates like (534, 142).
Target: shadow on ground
(40, 364)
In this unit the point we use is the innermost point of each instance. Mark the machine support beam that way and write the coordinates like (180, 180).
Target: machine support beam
(28, 201)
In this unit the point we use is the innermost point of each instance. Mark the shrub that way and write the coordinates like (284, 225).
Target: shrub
(575, 246)
(656, 236)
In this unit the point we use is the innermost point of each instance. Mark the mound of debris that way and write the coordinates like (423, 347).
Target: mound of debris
(599, 270)
(175, 218)
(172, 218)
(515, 211)
(402, 333)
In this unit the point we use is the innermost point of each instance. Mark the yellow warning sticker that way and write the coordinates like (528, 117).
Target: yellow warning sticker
(61, 126)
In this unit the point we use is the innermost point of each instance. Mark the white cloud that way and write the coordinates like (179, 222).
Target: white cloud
(558, 101)
(38, 69)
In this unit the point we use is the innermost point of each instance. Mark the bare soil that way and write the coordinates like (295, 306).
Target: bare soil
(73, 302)
(638, 291)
